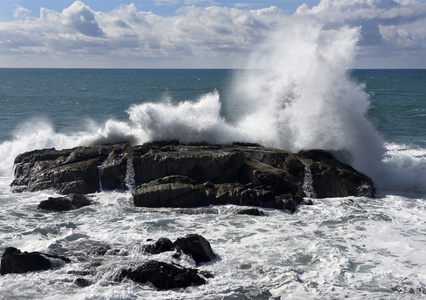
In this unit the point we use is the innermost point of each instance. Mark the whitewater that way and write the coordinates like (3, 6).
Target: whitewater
(296, 93)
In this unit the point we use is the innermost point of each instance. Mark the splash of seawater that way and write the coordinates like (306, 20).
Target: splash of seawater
(130, 175)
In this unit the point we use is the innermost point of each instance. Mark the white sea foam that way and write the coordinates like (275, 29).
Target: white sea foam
(187, 121)
(402, 170)
(343, 247)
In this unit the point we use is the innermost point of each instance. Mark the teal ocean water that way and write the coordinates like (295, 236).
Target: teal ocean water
(66, 97)
(356, 248)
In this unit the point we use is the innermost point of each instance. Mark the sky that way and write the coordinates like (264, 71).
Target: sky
(198, 33)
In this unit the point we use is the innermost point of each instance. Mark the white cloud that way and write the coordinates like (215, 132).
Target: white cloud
(81, 18)
(21, 12)
(203, 36)
(214, 34)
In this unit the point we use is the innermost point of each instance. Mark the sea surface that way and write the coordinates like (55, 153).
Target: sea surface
(353, 247)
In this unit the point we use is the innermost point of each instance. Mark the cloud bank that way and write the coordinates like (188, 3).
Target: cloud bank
(393, 34)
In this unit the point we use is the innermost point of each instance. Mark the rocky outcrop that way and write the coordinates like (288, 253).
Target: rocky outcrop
(15, 261)
(161, 274)
(177, 175)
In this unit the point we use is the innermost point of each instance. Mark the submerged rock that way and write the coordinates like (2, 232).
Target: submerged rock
(82, 282)
(178, 175)
(15, 261)
(250, 212)
(73, 201)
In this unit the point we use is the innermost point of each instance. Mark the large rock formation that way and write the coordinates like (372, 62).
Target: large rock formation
(177, 175)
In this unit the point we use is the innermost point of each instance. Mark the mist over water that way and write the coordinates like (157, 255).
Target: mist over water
(295, 94)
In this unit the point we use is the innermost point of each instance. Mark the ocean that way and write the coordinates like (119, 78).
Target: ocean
(353, 247)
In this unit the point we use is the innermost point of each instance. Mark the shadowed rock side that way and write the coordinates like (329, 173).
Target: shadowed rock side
(177, 175)
(196, 246)
(15, 261)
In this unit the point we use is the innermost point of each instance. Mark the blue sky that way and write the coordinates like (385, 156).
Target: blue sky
(159, 7)
(199, 33)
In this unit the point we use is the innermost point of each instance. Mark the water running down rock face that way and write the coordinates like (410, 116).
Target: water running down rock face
(169, 174)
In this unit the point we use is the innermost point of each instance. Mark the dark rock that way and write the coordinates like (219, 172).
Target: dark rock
(332, 178)
(308, 202)
(165, 276)
(73, 201)
(169, 174)
(15, 261)
(67, 171)
(160, 246)
(82, 282)
(196, 246)
(172, 191)
(251, 212)
(79, 200)
(56, 203)
(201, 163)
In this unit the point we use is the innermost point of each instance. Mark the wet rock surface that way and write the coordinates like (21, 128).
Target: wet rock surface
(160, 246)
(169, 174)
(15, 261)
(195, 246)
(165, 275)
(70, 202)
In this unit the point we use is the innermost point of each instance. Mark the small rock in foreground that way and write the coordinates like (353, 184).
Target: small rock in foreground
(15, 261)
(196, 246)
(70, 202)
(165, 276)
